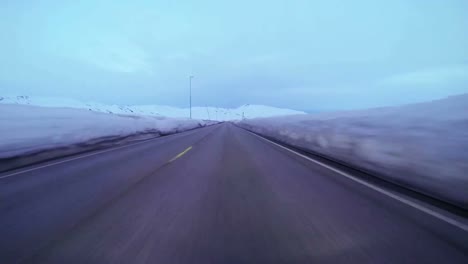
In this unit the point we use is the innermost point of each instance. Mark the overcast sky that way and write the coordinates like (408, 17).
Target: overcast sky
(308, 55)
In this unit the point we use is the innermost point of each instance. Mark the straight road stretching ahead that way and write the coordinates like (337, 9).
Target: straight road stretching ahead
(214, 195)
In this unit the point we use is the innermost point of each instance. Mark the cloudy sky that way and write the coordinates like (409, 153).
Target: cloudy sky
(302, 54)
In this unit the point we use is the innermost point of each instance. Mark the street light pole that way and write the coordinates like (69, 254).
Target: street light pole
(190, 94)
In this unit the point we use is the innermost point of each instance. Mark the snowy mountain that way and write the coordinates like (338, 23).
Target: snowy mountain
(207, 113)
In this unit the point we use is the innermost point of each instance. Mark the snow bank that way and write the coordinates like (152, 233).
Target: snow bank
(423, 146)
(28, 129)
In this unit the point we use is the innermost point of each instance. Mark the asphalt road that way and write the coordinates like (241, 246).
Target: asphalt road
(213, 195)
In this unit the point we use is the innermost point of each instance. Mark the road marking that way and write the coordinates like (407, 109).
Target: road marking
(91, 154)
(180, 154)
(437, 215)
(76, 158)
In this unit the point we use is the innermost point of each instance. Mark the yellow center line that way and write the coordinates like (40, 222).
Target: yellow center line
(181, 154)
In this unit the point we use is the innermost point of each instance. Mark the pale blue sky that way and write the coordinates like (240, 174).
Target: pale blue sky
(308, 55)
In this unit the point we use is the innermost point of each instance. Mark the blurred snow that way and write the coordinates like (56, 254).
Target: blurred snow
(25, 129)
(424, 146)
(205, 113)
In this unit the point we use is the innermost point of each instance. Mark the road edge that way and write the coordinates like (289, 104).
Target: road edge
(445, 211)
(47, 155)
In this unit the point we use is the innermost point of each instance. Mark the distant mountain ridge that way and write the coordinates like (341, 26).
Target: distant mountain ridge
(207, 113)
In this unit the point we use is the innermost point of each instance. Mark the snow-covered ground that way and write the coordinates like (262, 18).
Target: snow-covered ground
(26, 129)
(29, 125)
(424, 146)
(205, 113)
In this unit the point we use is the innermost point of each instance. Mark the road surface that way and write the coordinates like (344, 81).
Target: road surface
(214, 195)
